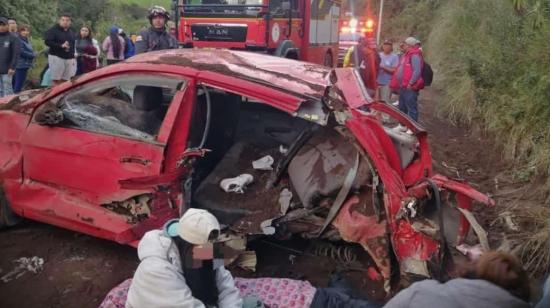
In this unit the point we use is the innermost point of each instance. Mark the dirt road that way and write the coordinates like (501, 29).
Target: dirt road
(79, 270)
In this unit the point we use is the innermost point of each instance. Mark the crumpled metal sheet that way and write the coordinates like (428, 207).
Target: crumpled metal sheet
(366, 231)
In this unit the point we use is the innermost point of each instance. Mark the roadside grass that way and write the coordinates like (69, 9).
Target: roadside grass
(492, 68)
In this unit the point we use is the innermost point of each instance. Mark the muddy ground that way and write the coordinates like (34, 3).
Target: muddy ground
(79, 270)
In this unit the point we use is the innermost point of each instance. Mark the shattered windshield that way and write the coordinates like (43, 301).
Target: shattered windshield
(131, 106)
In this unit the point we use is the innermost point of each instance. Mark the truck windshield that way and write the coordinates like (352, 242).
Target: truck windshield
(354, 37)
(220, 8)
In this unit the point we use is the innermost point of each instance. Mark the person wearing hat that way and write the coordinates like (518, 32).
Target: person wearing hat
(388, 63)
(178, 267)
(113, 46)
(407, 80)
(9, 54)
(156, 37)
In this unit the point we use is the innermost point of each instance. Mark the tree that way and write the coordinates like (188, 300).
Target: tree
(36, 13)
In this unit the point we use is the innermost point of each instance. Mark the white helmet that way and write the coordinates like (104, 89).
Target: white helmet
(196, 226)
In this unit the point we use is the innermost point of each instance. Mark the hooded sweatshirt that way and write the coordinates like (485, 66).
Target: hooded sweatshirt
(57, 36)
(456, 293)
(159, 282)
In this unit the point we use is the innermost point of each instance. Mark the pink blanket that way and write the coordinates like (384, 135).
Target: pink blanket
(274, 292)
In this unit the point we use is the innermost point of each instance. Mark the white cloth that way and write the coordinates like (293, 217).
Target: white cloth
(159, 282)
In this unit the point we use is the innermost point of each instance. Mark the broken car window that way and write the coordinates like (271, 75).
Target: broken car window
(130, 105)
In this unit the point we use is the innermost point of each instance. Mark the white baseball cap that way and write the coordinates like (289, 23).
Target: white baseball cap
(195, 226)
(412, 41)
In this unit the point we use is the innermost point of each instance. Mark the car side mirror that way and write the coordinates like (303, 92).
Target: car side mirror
(49, 114)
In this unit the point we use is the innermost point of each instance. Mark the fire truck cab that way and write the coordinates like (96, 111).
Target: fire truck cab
(305, 30)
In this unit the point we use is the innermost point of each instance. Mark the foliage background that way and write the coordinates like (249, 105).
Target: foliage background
(100, 15)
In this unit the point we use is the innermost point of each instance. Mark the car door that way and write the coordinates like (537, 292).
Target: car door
(83, 142)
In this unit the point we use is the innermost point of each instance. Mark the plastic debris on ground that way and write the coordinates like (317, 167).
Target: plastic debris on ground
(264, 163)
(284, 200)
(267, 229)
(24, 265)
(236, 184)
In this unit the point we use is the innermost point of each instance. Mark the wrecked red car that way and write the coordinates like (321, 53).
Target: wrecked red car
(117, 152)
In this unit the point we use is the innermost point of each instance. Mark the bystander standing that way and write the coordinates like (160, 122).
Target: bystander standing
(388, 63)
(113, 46)
(156, 37)
(407, 79)
(25, 60)
(9, 52)
(12, 25)
(86, 51)
(61, 41)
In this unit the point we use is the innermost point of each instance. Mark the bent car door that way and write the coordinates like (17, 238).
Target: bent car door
(81, 144)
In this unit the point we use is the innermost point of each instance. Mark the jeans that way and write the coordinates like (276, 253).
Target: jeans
(408, 103)
(5, 85)
(19, 80)
(337, 298)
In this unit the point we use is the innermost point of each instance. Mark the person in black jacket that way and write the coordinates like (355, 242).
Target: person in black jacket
(9, 52)
(61, 40)
(156, 37)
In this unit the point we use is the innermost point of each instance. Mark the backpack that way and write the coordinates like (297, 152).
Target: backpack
(427, 74)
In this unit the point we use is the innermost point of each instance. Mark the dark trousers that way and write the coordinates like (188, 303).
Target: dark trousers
(19, 79)
(338, 298)
(408, 103)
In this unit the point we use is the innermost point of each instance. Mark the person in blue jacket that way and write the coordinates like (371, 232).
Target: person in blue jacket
(25, 60)
(129, 47)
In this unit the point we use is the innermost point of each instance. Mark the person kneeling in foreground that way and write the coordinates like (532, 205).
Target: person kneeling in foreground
(496, 280)
(178, 268)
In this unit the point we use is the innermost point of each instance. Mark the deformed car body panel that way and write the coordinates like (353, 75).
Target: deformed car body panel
(40, 169)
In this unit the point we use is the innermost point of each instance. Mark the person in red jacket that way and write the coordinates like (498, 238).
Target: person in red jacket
(407, 80)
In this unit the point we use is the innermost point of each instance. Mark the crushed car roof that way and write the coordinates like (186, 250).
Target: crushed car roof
(295, 76)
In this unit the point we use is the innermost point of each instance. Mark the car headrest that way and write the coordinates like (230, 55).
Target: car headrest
(147, 98)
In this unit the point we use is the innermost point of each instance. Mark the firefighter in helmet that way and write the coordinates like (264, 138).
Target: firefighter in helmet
(156, 37)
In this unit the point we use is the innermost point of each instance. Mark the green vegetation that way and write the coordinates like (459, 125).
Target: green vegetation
(100, 15)
(491, 64)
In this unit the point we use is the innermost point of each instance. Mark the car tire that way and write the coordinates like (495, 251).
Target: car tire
(7, 217)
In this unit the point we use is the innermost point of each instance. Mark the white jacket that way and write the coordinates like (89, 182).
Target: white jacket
(159, 281)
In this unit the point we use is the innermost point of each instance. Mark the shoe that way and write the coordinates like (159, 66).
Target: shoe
(236, 184)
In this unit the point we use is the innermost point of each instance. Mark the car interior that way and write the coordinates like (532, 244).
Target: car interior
(239, 131)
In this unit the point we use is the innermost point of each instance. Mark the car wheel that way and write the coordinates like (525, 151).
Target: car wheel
(328, 60)
(7, 217)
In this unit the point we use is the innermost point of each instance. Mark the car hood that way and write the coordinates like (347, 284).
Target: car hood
(22, 102)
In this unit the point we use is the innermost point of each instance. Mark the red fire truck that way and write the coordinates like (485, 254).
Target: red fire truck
(306, 30)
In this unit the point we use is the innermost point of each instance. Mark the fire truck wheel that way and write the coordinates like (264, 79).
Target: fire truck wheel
(7, 217)
(328, 62)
